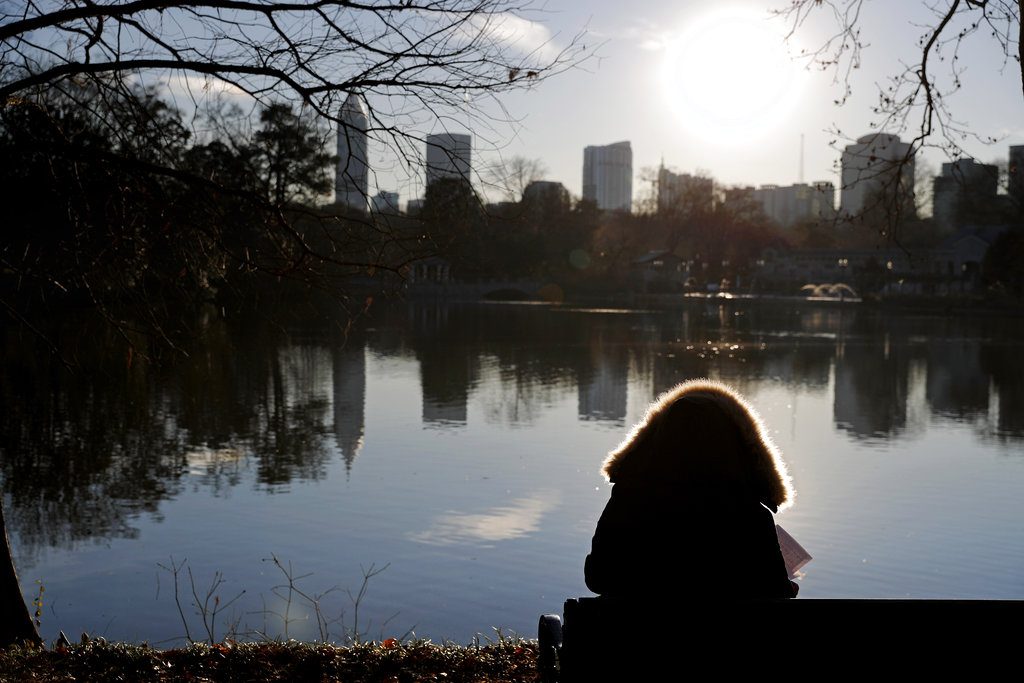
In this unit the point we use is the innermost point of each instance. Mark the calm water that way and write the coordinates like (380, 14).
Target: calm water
(460, 446)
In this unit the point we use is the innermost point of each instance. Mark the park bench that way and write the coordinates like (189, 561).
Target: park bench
(704, 638)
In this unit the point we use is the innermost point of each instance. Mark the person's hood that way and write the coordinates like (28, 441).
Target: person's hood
(773, 483)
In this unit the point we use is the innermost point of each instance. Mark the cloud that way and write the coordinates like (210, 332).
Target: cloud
(504, 523)
(182, 87)
(523, 35)
(646, 35)
(200, 86)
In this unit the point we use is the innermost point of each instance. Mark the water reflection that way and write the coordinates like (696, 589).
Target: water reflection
(85, 459)
(503, 523)
(349, 400)
(871, 389)
(1001, 360)
(957, 386)
(602, 380)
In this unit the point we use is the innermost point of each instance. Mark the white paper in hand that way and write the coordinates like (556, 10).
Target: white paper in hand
(792, 552)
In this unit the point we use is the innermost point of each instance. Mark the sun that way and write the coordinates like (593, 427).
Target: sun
(729, 77)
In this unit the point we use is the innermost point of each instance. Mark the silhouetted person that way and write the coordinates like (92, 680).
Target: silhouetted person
(690, 515)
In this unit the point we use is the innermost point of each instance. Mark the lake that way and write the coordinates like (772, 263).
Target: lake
(457, 447)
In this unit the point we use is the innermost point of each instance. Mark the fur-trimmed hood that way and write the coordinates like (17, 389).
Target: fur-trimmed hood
(693, 418)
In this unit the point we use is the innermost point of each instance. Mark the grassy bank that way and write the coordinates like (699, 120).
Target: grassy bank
(508, 660)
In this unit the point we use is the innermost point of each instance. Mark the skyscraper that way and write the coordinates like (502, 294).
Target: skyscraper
(449, 155)
(608, 175)
(351, 181)
(791, 204)
(682, 192)
(878, 163)
(964, 193)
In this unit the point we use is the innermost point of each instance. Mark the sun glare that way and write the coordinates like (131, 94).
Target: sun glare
(728, 76)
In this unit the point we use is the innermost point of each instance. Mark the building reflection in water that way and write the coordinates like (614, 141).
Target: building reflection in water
(83, 459)
(349, 399)
(1003, 362)
(602, 383)
(870, 398)
(957, 385)
(448, 367)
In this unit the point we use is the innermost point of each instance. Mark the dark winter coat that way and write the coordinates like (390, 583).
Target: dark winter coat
(690, 515)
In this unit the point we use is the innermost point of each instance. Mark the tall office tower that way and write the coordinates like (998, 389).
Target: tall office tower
(682, 192)
(964, 193)
(878, 164)
(608, 176)
(449, 156)
(1016, 175)
(351, 181)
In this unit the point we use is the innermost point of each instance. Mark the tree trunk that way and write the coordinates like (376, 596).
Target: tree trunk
(16, 625)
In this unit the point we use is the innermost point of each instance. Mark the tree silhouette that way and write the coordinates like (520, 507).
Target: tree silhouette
(293, 163)
(78, 68)
(112, 201)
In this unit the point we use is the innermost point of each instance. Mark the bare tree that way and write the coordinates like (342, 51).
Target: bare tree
(512, 176)
(915, 98)
(82, 77)
(423, 56)
(16, 626)
(422, 63)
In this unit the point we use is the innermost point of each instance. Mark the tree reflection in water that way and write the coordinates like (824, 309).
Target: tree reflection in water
(86, 453)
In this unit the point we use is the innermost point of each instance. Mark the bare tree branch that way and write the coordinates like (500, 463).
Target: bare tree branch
(915, 99)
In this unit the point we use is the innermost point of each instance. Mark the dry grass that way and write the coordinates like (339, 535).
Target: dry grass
(507, 660)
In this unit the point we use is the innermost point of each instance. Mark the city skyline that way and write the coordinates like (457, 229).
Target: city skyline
(622, 95)
(860, 164)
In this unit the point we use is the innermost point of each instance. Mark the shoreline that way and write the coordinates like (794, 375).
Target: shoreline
(508, 660)
(968, 306)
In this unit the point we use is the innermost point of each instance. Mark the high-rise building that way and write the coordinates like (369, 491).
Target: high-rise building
(740, 200)
(385, 202)
(608, 176)
(449, 155)
(791, 204)
(965, 192)
(682, 192)
(874, 168)
(823, 200)
(351, 180)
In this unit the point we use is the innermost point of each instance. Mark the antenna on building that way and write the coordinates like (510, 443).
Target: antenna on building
(801, 158)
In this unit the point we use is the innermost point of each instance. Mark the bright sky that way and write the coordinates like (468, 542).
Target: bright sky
(708, 86)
